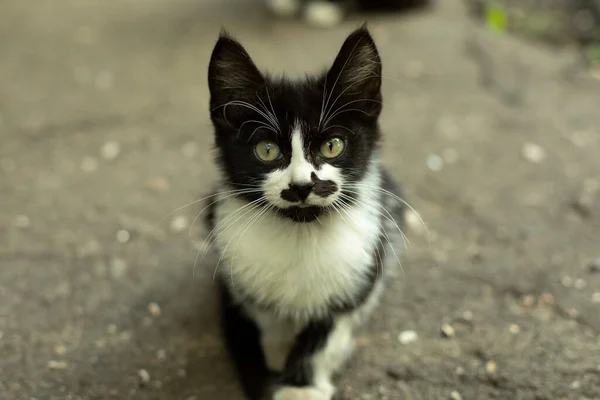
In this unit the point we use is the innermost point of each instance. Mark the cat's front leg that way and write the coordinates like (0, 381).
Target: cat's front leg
(318, 351)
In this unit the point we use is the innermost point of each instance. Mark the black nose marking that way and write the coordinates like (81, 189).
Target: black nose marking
(297, 192)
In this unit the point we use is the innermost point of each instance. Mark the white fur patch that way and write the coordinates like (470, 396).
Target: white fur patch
(299, 172)
(307, 393)
(323, 14)
(299, 267)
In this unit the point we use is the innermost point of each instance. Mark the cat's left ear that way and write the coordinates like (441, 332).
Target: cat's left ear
(356, 72)
(232, 75)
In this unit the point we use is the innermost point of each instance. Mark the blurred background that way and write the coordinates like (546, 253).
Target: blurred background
(491, 122)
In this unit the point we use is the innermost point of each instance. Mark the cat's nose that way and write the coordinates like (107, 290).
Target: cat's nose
(300, 191)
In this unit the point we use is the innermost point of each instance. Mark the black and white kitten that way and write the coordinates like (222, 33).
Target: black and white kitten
(305, 219)
(329, 13)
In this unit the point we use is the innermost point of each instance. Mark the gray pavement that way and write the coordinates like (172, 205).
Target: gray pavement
(104, 130)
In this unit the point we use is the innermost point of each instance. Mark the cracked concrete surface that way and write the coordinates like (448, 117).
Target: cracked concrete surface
(104, 130)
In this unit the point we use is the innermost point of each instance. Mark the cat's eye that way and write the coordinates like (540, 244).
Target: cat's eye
(267, 151)
(332, 148)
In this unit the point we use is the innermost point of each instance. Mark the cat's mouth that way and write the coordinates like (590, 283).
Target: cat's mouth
(303, 213)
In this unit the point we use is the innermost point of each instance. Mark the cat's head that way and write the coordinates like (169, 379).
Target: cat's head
(299, 147)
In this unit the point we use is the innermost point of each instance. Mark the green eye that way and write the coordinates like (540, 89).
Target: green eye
(267, 150)
(332, 148)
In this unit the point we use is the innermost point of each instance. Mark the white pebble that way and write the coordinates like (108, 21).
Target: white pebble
(467, 315)
(448, 330)
(179, 223)
(514, 329)
(435, 163)
(161, 355)
(144, 375)
(596, 297)
(455, 395)
(414, 222)
(580, 284)
(89, 164)
(154, 309)
(408, 337)
(118, 267)
(567, 281)
(112, 329)
(533, 152)
(54, 364)
(22, 221)
(575, 385)
(123, 236)
(110, 150)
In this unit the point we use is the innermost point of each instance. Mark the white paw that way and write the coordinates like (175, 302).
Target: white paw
(284, 8)
(304, 393)
(323, 14)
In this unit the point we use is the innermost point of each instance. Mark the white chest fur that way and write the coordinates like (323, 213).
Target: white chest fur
(299, 267)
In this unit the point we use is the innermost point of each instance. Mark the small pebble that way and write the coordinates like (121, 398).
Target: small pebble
(414, 222)
(528, 301)
(467, 315)
(89, 164)
(112, 329)
(435, 163)
(575, 385)
(514, 329)
(161, 355)
(580, 284)
(573, 313)
(547, 298)
(144, 376)
(460, 371)
(179, 224)
(594, 266)
(567, 281)
(407, 337)
(154, 309)
(110, 150)
(447, 331)
(596, 297)
(123, 236)
(54, 364)
(118, 267)
(491, 367)
(533, 152)
(22, 221)
(59, 350)
(455, 395)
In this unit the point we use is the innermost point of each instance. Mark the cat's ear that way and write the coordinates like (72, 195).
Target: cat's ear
(356, 72)
(232, 74)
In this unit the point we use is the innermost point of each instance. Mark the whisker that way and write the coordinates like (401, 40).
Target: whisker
(242, 191)
(192, 203)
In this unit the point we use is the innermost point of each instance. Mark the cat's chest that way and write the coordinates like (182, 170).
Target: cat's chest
(294, 265)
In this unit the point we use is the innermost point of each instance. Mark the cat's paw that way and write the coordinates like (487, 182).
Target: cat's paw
(304, 393)
(323, 14)
(284, 8)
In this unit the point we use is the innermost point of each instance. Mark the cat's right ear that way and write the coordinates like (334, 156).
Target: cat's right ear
(232, 74)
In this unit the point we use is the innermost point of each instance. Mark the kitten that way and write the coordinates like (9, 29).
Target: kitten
(329, 13)
(305, 219)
